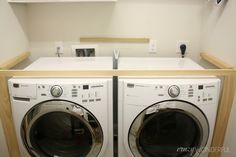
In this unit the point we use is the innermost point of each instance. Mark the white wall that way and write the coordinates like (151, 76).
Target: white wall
(13, 30)
(221, 34)
(219, 39)
(168, 21)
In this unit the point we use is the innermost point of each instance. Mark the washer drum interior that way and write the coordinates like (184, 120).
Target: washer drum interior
(169, 129)
(61, 128)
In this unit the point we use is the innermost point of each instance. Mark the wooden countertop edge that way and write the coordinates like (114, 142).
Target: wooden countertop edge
(215, 61)
(10, 63)
(110, 73)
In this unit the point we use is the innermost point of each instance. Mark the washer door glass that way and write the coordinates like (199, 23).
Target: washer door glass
(61, 128)
(169, 129)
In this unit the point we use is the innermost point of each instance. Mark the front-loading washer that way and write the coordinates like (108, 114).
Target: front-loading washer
(64, 117)
(166, 116)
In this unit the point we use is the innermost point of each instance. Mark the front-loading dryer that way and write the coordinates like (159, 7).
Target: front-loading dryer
(166, 116)
(63, 117)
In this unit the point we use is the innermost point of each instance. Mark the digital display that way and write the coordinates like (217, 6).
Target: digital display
(16, 85)
(200, 87)
(85, 86)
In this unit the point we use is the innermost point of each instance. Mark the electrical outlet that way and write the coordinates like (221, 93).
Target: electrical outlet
(59, 49)
(179, 43)
(152, 46)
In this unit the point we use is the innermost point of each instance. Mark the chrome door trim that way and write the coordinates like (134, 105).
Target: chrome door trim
(66, 107)
(185, 107)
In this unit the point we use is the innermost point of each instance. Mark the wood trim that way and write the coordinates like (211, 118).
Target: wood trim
(7, 121)
(225, 105)
(14, 61)
(215, 61)
(114, 40)
(57, 1)
(224, 109)
(109, 73)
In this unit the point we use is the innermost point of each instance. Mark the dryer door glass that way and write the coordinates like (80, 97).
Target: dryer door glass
(169, 129)
(61, 128)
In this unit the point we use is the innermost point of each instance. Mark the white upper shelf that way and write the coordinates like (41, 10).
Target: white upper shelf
(57, 1)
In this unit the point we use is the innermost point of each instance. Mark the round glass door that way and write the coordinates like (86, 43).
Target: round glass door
(61, 129)
(169, 129)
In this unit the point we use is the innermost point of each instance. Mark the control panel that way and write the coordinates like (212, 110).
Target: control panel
(196, 93)
(88, 93)
(81, 93)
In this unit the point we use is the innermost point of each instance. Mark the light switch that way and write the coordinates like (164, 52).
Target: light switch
(153, 46)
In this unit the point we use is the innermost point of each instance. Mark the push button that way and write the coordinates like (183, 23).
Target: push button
(98, 99)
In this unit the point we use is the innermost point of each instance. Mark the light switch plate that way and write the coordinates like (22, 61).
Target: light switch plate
(152, 46)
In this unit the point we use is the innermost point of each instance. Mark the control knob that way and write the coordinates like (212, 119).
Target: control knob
(56, 91)
(174, 91)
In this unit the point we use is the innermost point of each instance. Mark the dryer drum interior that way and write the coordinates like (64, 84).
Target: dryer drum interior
(169, 129)
(61, 128)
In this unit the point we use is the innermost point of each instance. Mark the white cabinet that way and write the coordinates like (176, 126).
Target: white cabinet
(56, 1)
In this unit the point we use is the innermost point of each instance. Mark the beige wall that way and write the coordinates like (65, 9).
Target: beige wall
(219, 39)
(3, 146)
(165, 21)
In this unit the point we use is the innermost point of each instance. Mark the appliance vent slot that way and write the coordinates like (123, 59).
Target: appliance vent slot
(21, 99)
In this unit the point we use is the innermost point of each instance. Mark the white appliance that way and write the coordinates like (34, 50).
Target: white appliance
(64, 117)
(165, 116)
